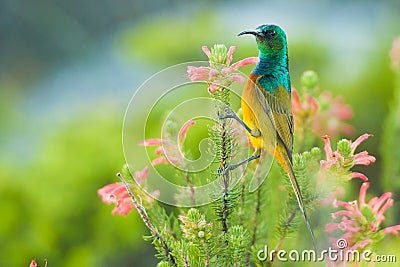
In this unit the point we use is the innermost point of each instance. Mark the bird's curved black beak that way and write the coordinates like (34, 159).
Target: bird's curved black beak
(255, 33)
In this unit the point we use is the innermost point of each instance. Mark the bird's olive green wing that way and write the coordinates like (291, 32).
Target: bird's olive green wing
(279, 106)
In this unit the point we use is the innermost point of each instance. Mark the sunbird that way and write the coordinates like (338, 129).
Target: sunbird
(266, 106)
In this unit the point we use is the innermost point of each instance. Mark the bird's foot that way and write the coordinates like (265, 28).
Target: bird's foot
(230, 167)
(228, 114)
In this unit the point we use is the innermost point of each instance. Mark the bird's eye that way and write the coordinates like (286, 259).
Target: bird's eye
(271, 33)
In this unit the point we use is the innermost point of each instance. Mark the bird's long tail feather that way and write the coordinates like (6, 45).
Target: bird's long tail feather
(299, 198)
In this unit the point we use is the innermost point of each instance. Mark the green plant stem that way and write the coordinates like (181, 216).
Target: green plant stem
(145, 218)
(254, 222)
(242, 202)
(287, 224)
(191, 188)
(207, 259)
(226, 179)
(224, 154)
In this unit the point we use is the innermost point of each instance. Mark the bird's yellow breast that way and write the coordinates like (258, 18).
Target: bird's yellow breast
(251, 109)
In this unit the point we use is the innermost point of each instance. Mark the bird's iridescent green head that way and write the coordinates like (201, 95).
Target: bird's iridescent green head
(271, 40)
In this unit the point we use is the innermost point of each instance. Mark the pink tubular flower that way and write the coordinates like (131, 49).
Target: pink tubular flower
(184, 129)
(151, 142)
(358, 141)
(230, 55)
(394, 230)
(206, 51)
(359, 175)
(363, 158)
(140, 176)
(244, 62)
(160, 160)
(360, 221)
(220, 74)
(296, 102)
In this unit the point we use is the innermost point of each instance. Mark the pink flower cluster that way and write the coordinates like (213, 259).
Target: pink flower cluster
(336, 168)
(220, 74)
(361, 221)
(305, 108)
(332, 116)
(346, 159)
(324, 114)
(116, 193)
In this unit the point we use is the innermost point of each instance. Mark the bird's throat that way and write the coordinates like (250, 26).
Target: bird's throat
(273, 71)
(271, 64)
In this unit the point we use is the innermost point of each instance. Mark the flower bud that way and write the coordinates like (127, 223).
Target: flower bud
(343, 147)
(201, 234)
(315, 152)
(309, 79)
(218, 54)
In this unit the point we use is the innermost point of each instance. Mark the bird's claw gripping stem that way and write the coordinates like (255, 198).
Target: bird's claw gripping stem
(229, 114)
(231, 167)
(232, 115)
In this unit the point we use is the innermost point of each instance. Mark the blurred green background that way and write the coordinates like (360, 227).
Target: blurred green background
(69, 68)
